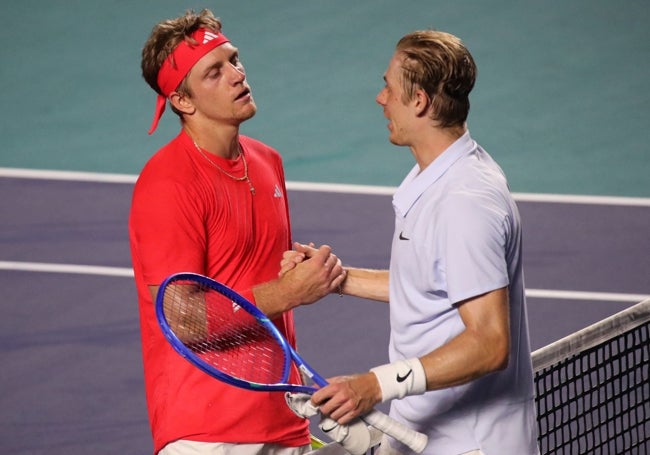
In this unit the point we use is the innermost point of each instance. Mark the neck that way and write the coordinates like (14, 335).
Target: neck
(223, 143)
(432, 145)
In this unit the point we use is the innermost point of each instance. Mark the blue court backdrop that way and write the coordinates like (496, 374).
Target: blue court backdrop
(561, 99)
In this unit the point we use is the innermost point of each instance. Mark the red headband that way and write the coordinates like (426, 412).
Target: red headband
(179, 63)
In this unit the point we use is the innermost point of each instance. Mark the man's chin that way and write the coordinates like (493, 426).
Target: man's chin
(249, 112)
(395, 141)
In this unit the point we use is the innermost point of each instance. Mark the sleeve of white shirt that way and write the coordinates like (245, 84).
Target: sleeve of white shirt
(475, 234)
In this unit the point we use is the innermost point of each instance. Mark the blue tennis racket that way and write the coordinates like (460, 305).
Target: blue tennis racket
(229, 338)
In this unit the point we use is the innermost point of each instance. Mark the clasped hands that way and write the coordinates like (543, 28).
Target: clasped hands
(312, 272)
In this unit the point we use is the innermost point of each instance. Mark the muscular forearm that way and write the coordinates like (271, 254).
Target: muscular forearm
(273, 298)
(303, 284)
(366, 283)
(462, 360)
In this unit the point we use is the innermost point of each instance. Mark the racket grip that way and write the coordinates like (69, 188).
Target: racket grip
(415, 440)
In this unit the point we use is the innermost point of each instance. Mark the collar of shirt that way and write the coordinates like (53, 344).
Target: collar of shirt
(416, 182)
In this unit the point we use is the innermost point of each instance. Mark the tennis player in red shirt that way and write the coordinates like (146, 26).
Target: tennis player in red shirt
(214, 202)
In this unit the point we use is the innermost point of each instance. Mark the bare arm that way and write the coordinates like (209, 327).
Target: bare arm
(185, 311)
(363, 283)
(304, 284)
(483, 347)
(366, 283)
(307, 282)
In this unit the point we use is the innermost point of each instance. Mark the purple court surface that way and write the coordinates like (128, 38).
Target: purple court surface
(71, 379)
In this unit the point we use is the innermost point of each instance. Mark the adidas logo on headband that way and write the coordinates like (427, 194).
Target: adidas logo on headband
(178, 64)
(209, 36)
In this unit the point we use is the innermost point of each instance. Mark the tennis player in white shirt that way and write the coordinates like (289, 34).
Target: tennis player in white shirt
(459, 348)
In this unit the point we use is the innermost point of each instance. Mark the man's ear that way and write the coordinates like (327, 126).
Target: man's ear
(182, 103)
(421, 102)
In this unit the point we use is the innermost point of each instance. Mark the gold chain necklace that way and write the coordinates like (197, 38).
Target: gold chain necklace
(237, 179)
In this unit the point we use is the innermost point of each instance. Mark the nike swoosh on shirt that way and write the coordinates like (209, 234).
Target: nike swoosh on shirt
(403, 378)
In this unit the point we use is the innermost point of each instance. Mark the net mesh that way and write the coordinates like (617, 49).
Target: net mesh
(593, 388)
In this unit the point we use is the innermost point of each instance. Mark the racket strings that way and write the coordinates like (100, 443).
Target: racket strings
(224, 335)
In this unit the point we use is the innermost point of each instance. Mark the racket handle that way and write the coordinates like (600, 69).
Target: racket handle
(415, 440)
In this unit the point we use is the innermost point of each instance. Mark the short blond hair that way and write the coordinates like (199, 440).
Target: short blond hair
(440, 64)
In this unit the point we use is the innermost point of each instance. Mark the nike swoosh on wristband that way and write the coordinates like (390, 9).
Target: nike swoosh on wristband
(403, 378)
(401, 236)
(327, 430)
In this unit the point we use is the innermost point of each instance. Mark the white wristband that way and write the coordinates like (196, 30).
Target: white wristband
(401, 378)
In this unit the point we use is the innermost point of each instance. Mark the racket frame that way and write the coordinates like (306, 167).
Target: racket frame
(289, 353)
(415, 440)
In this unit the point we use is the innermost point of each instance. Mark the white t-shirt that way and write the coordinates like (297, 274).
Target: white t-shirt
(457, 236)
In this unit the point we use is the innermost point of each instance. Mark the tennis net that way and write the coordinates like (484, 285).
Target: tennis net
(593, 388)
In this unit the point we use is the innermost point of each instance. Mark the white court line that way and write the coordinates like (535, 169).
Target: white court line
(66, 268)
(128, 272)
(322, 187)
(67, 175)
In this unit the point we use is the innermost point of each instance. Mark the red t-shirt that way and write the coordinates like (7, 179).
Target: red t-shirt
(188, 216)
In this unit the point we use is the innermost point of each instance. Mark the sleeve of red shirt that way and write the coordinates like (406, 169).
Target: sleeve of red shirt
(168, 230)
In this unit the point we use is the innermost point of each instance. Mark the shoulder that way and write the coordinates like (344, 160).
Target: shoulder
(259, 148)
(476, 198)
(254, 143)
(170, 167)
(477, 181)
